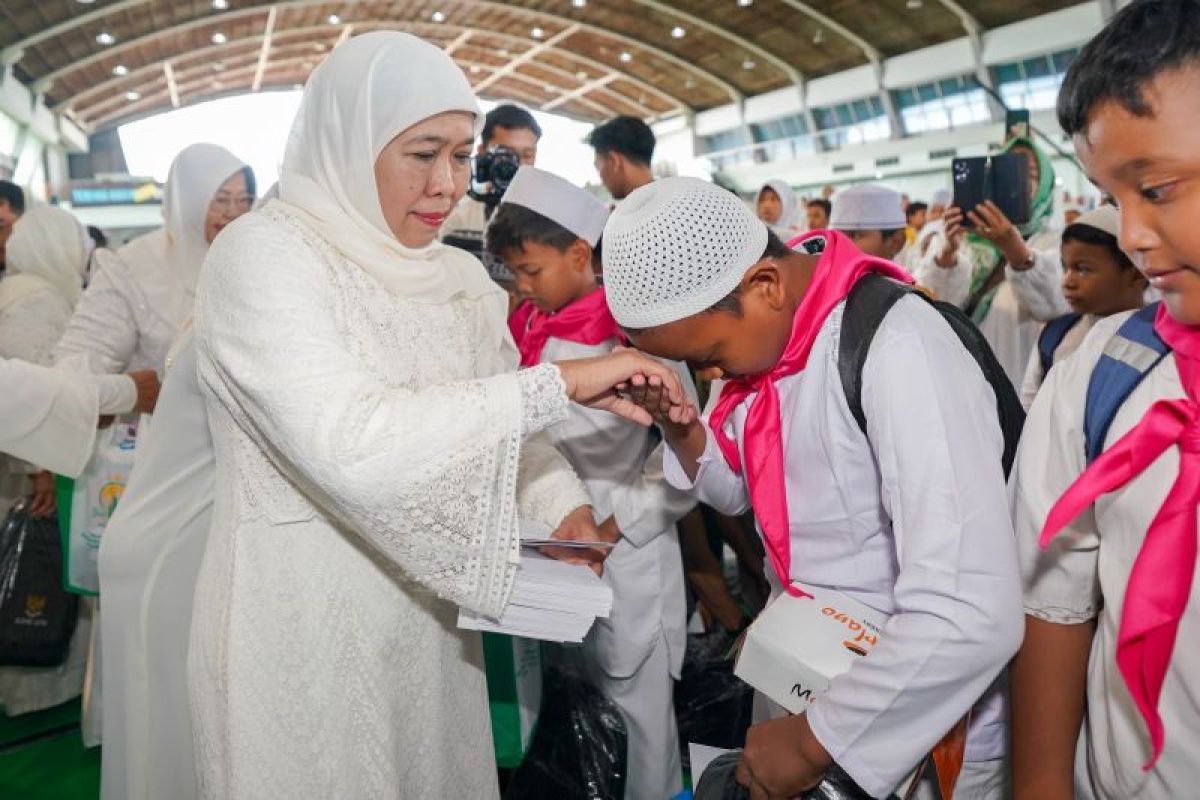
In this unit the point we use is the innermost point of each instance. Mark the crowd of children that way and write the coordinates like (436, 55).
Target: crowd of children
(910, 513)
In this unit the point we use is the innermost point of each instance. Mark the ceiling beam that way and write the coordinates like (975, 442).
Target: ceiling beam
(260, 6)
(869, 50)
(171, 86)
(579, 93)
(527, 56)
(347, 31)
(264, 52)
(459, 41)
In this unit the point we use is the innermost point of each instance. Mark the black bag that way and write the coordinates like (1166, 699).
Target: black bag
(719, 783)
(578, 750)
(37, 616)
(869, 302)
(712, 705)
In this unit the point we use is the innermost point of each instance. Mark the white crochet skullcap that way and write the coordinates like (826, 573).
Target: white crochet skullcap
(868, 207)
(675, 247)
(558, 200)
(1105, 218)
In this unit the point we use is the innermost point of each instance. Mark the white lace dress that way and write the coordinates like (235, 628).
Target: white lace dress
(371, 462)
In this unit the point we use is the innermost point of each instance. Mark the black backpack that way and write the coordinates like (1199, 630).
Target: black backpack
(866, 306)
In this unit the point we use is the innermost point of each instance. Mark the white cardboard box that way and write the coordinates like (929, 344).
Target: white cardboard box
(799, 644)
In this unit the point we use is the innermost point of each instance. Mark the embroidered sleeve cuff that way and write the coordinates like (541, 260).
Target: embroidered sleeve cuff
(544, 399)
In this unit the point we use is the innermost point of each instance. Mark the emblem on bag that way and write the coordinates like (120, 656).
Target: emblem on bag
(35, 604)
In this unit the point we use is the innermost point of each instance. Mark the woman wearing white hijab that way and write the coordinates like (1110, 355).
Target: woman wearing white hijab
(142, 294)
(46, 258)
(373, 448)
(777, 206)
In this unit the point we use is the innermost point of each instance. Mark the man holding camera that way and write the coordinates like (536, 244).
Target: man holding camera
(505, 128)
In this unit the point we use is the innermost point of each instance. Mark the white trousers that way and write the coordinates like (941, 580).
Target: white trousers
(646, 701)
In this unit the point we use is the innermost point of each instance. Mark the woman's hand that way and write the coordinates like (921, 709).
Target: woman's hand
(579, 526)
(147, 384)
(953, 233)
(42, 502)
(596, 383)
(991, 223)
(782, 759)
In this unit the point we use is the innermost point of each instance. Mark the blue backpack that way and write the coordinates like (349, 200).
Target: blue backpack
(1128, 357)
(1052, 336)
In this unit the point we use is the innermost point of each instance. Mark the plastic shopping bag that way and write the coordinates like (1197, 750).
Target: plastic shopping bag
(87, 503)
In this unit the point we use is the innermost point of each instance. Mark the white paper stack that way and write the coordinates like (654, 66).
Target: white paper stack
(551, 600)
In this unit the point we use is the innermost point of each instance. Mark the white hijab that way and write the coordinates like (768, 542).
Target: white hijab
(167, 262)
(367, 92)
(789, 213)
(47, 249)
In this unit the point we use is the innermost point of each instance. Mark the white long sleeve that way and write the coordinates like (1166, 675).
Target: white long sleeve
(716, 484)
(1039, 288)
(102, 335)
(932, 425)
(950, 284)
(47, 416)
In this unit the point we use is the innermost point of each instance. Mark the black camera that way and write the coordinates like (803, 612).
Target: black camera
(491, 173)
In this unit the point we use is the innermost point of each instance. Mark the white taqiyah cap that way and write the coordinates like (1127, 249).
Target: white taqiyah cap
(558, 200)
(1104, 218)
(867, 208)
(674, 248)
(941, 197)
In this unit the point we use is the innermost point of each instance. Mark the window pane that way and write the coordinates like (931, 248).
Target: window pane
(927, 91)
(1037, 67)
(1007, 73)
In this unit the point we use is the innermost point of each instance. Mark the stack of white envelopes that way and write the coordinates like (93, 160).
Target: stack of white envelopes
(551, 600)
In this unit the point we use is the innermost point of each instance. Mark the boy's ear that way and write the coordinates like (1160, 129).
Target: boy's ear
(580, 254)
(765, 280)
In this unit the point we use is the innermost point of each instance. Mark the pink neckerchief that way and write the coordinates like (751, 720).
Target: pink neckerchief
(840, 267)
(1161, 579)
(585, 321)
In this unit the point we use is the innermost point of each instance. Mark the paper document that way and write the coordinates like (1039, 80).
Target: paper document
(551, 600)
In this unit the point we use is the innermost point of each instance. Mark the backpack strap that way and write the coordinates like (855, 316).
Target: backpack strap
(867, 304)
(1052, 336)
(1128, 357)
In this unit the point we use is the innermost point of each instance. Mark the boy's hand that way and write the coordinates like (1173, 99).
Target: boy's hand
(594, 382)
(782, 759)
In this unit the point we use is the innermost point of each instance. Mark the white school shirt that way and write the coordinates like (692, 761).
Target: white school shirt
(1024, 301)
(1034, 376)
(620, 464)
(1082, 576)
(913, 523)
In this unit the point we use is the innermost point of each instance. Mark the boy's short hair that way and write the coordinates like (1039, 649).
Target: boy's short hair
(13, 195)
(513, 225)
(1143, 40)
(508, 116)
(823, 203)
(914, 208)
(628, 136)
(1087, 234)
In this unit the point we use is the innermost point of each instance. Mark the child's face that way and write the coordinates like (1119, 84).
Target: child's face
(1151, 167)
(551, 278)
(1095, 283)
(769, 206)
(737, 344)
(874, 243)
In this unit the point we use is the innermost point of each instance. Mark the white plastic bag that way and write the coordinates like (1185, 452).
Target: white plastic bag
(93, 498)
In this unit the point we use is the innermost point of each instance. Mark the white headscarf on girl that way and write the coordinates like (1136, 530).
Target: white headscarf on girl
(367, 92)
(167, 262)
(47, 250)
(789, 207)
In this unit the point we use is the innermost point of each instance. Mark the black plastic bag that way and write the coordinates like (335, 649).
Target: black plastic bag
(719, 783)
(37, 616)
(712, 706)
(578, 750)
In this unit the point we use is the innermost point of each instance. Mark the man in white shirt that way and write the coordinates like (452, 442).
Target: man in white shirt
(910, 519)
(508, 126)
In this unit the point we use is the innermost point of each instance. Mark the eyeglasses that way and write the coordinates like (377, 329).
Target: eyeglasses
(224, 202)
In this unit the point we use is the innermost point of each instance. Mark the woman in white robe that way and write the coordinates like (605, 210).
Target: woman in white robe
(149, 560)
(47, 257)
(141, 294)
(374, 448)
